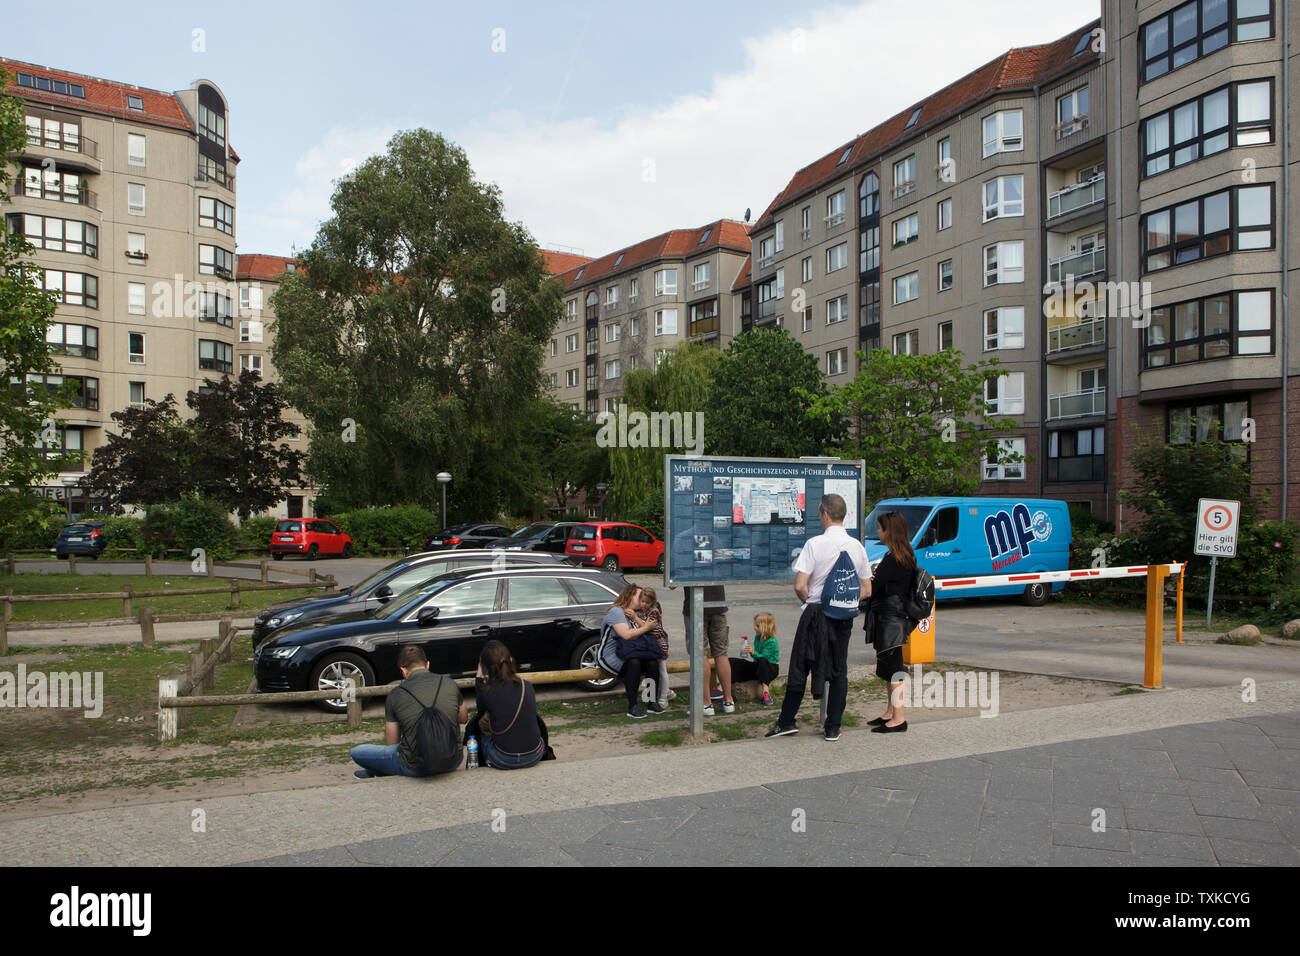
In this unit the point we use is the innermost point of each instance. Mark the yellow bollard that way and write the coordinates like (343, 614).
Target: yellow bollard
(1156, 574)
(919, 648)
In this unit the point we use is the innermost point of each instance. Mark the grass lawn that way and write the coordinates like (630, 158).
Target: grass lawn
(181, 603)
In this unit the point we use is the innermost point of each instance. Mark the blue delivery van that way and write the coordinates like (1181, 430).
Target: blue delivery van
(964, 537)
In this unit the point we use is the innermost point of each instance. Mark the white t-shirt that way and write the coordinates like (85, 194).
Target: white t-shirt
(820, 554)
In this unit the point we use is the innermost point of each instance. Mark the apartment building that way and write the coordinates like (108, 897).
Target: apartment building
(128, 196)
(624, 309)
(983, 215)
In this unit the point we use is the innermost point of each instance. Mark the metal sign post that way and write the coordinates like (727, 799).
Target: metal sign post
(1209, 604)
(695, 641)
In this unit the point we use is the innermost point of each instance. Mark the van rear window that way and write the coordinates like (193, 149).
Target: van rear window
(582, 532)
(288, 526)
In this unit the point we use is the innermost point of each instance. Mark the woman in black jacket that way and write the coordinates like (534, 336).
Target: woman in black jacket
(886, 624)
(510, 733)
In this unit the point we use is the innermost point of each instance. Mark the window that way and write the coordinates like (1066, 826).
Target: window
(216, 356)
(554, 347)
(945, 275)
(1204, 421)
(571, 309)
(571, 378)
(1004, 262)
(807, 320)
(904, 176)
(1240, 114)
(135, 347)
(52, 133)
(76, 341)
(135, 298)
(869, 298)
(215, 172)
(837, 310)
(251, 363)
(611, 295)
(213, 260)
(766, 251)
(57, 235)
(1004, 328)
(1009, 463)
(619, 261)
(135, 199)
(1003, 197)
(49, 183)
(212, 125)
(1005, 395)
(70, 288)
(86, 395)
(613, 368)
(1072, 112)
(908, 343)
(250, 330)
(1239, 323)
(135, 149)
(945, 335)
(214, 307)
(216, 214)
(593, 305)
(56, 86)
(907, 229)
(1236, 219)
(613, 332)
(906, 288)
(666, 282)
(916, 115)
(703, 239)
(135, 247)
(780, 235)
(944, 153)
(571, 342)
(869, 256)
(1003, 132)
(666, 322)
(835, 209)
(807, 269)
(635, 326)
(869, 196)
(134, 102)
(701, 277)
(805, 219)
(1197, 29)
(944, 214)
(1077, 454)
(633, 292)
(704, 318)
(837, 361)
(837, 257)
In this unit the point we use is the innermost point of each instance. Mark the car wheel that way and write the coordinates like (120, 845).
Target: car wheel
(333, 672)
(277, 555)
(347, 550)
(1036, 594)
(659, 567)
(313, 553)
(610, 563)
(585, 655)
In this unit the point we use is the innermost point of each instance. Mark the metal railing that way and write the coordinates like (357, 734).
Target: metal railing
(1077, 266)
(1078, 336)
(1076, 197)
(1076, 404)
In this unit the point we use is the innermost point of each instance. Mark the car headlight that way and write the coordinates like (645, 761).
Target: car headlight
(283, 619)
(283, 653)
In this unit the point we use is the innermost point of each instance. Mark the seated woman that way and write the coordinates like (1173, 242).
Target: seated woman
(636, 647)
(509, 734)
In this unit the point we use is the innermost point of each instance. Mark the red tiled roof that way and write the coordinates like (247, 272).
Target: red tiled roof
(1017, 69)
(742, 280)
(257, 265)
(102, 96)
(674, 244)
(558, 262)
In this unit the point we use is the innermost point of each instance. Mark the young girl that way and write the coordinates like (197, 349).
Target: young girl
(767, 656)
(655, 615)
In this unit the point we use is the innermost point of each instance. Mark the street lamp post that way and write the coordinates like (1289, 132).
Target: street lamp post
(68, 485)
(443, 478)
(602, 487)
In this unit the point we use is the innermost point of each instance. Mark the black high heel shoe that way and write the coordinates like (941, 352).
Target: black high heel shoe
(877, 722)
(886, 729)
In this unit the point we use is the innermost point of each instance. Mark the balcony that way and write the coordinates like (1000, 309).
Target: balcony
(1076, 404)
(1071, 126)
(76, 152)
(765, 262)
(1074, 198)
(1077, 266)
(1080, 468)
(592, 347)
(1082, 335)
(766, 311)
(837, 219)
(902, 189)
(215, 174)
(700, 286)
(83, 197)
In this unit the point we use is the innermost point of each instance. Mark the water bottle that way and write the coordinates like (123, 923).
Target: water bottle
(471, 754)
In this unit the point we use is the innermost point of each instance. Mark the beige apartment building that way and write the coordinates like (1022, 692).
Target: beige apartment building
(1103, 214)
(128, 196)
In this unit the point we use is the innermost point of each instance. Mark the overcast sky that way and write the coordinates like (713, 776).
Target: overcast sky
(603, 123)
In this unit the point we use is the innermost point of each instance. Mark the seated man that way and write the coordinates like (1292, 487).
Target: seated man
(419, 689)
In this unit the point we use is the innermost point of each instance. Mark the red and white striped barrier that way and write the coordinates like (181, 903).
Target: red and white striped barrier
(1000, 580)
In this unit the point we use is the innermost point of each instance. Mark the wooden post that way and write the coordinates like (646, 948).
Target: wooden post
(72, 564)
(148, 565)
(354, 704)
(224, 627)
(12, 572)
(263, 563)
(4, 629)
(146, 627)
(234, 592)
(196, 665)
(311, 576)
(208, 647)
(331, 584)
(210, 565)
(126, 602)
(167, 716)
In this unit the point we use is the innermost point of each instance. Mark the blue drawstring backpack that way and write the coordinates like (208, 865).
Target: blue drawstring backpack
(840, 592)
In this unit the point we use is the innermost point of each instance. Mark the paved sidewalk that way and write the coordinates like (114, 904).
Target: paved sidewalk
(1181, 775)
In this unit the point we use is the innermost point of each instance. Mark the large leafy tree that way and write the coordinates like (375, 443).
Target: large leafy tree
(758, 403)
(412, 335)
(26, 410)
(919, 421)
(561, 446)
(147, 462)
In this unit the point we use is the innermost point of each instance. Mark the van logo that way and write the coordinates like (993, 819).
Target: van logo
(1006, 533)
(1042, 525)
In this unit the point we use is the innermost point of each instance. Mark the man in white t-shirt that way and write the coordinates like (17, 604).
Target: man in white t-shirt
(811, 569)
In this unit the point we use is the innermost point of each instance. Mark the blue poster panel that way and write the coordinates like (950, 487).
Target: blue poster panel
(746, 519)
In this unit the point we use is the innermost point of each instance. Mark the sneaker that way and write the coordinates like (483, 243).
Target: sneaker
(779, 731)
(708, 710)
(663, 703)
(636, 713)
(672, 694)
(655, 708)
(831, 735)
(767, 698)
(728, 706)
(362, 774)
(717, 694)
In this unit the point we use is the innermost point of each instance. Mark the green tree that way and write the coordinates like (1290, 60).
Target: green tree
(561, 446)
(919, 422)
(147, 462)
(681, 384)
(412, 335)
(762, 389)
(27, 413)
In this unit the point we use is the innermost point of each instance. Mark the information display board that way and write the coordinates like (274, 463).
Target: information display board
(746, 519)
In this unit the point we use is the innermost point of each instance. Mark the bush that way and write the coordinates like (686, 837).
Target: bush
(255, 534)
(189, 524)
(125, 537)
(649, 515)
(27, 522)
(403, 527)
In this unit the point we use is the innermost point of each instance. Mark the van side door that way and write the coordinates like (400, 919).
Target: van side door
(940, 548)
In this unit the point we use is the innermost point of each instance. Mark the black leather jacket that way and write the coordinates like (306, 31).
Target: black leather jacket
(886, 625)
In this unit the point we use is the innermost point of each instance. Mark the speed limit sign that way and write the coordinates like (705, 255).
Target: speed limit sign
(1216, 527)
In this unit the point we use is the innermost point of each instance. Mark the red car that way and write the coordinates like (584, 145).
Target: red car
(614, 545)
(311, 537)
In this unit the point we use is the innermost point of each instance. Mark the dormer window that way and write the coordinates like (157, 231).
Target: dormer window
(135, 102)
(844, 157)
